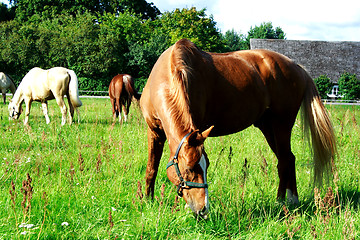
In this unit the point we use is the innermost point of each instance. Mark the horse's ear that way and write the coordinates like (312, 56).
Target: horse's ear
(196, 138)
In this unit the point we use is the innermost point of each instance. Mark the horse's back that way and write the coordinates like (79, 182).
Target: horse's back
(4, 83)
(40, 84)
(222, 88)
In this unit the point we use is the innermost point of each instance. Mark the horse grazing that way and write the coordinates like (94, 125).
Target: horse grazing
(43, 85)
(6, 83)
(191, 94)
(121, 91)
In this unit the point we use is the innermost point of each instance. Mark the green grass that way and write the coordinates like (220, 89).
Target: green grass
(91, 176)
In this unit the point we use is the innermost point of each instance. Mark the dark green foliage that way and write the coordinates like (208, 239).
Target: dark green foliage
(100, 39)
(323, 85)
(193, 25)
(234, 41)
(349, 86)
(265, 31)
(52, 8)
(6, 13)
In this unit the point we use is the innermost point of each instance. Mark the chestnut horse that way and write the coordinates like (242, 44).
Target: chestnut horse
(43, 85)
(121, 91)
(192, 94)
(6, 83)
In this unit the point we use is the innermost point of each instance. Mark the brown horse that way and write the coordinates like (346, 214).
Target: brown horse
(121, 91)
(192, 94)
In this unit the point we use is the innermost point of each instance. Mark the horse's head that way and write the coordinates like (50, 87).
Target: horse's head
(187, 170)
(14, 110)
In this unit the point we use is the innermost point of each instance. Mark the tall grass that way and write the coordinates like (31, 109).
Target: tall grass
(86, 181)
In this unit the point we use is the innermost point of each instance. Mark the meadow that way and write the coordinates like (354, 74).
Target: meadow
(86, 181)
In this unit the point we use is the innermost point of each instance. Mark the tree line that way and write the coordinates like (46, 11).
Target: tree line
(99, 39)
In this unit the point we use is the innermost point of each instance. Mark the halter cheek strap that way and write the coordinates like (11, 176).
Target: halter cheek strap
(14, 113)
(183, 184)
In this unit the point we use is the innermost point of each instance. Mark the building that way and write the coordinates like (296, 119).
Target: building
(317, 57)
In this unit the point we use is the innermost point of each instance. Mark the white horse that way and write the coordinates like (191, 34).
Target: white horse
(5, 84)
(43, 85)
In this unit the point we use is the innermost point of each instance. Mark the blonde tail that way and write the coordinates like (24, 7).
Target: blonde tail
(317, 120)
(73, 90)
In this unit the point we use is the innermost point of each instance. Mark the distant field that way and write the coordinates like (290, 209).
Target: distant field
(86, 181)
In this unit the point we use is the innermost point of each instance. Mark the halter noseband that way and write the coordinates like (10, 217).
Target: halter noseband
(14, 113)
(183, 184)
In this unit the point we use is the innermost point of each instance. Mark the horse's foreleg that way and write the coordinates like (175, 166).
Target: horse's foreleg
(155, 149)
(61, 103)
(27, 111)
(4, 97)
(45, 111)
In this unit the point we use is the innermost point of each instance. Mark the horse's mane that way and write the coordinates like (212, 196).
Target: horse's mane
(181, 62)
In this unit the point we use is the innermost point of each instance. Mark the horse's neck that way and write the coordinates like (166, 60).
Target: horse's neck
(18, 96)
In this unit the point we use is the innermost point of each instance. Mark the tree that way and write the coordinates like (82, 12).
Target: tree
(265, 31)
(52, 8)
(349, 86)
(323, 85)
(234, 41)
(193, 25)
(6, 13)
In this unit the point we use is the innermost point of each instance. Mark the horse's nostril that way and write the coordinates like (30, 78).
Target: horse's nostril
(203, 213)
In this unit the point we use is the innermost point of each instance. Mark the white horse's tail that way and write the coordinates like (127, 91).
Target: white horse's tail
(73, 90)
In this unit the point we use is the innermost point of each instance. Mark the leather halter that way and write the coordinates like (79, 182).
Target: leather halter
(183, 184)
(14, 113)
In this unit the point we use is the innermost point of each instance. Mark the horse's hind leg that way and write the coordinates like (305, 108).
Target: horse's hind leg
(45, 111)
(63, 108)
(277, 132)
(71, 107)
(113, 108)
(126, 107)
(118, 108)
(78, 114)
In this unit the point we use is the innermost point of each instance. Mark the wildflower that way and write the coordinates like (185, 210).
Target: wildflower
(65, 224)
(28, 226)
(114, 209)
(93, 197)
(23, 233)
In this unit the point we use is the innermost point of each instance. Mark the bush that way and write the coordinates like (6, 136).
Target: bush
(349, 86)
(323, 85)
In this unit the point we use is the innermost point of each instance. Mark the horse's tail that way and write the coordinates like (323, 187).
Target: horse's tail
(73, 89)
(317, 120)
(129, 86)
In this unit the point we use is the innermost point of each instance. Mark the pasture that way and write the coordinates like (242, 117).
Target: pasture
(86, 181)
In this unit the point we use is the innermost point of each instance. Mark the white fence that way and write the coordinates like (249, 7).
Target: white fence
(105, 94)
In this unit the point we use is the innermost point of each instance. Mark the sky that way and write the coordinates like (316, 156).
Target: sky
(300, 20)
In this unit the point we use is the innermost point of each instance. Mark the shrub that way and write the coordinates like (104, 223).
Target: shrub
(323, 85)
(349, 86)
